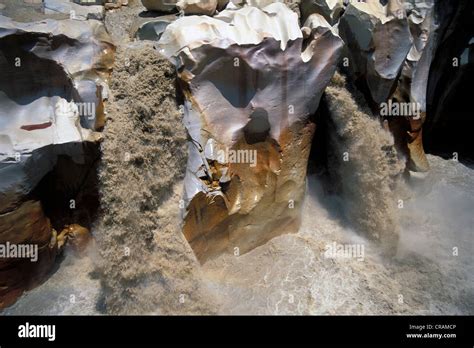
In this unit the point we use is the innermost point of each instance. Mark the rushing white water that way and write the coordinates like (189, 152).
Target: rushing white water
(71, 290)
(291, 275)
(432, 272)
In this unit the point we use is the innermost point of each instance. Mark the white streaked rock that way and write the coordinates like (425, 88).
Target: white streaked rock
(197, 7)
(250, 88)
(47, 84)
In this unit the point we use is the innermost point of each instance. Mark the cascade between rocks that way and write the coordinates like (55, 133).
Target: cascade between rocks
(341, 212)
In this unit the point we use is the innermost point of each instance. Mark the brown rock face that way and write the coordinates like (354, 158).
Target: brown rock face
(77, 236)
(247, 112)
(258, 203)
(27, 225)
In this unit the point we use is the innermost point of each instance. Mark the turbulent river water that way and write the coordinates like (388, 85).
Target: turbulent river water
(432, 272)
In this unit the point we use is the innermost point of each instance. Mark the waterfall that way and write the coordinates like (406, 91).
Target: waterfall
(363, 164)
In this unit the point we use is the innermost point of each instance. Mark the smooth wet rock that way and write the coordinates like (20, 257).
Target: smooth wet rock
(221, 4)
(247, 112)
(378, 41)
(151, 28)
(416, 69)
(51, 93)
(413, 83)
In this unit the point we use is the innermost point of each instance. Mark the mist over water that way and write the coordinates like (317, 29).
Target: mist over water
(72, 289)
(417, 258)
(290, 275)
(409, 231)
(437, 228)
(364, 164)
(429, 268)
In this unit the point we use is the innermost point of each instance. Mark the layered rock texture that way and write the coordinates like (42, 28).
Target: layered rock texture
(199, 151)
(413, 80)
(387, 58)
(331, 10)
(250, 83)
(51, 95)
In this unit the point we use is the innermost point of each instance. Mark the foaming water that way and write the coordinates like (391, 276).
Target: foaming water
(72, 290)
(416, 237)
(429, 237)
(291, 275)
(364, 164)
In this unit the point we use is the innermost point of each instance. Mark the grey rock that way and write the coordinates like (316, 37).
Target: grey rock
(378, 41)
(331, 10)
(75, 11)
(152, 28)
(47, 83)
(251, 88)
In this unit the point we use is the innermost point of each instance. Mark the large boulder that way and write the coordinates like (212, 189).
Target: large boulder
(449, 120)
(160, 5)
(197, 7)
(413, 82)
(51, 94)
(250, 83)
(331, 10)
(378, 40)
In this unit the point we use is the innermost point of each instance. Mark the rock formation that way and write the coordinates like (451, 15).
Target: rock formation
(449, 118)
(413, 83)
(250, 82)
(331, 10)
(151, 28)
(378, 40)
(384, 46)
(215, 120)
(160, 5)
(51, 95)
(197, 7)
